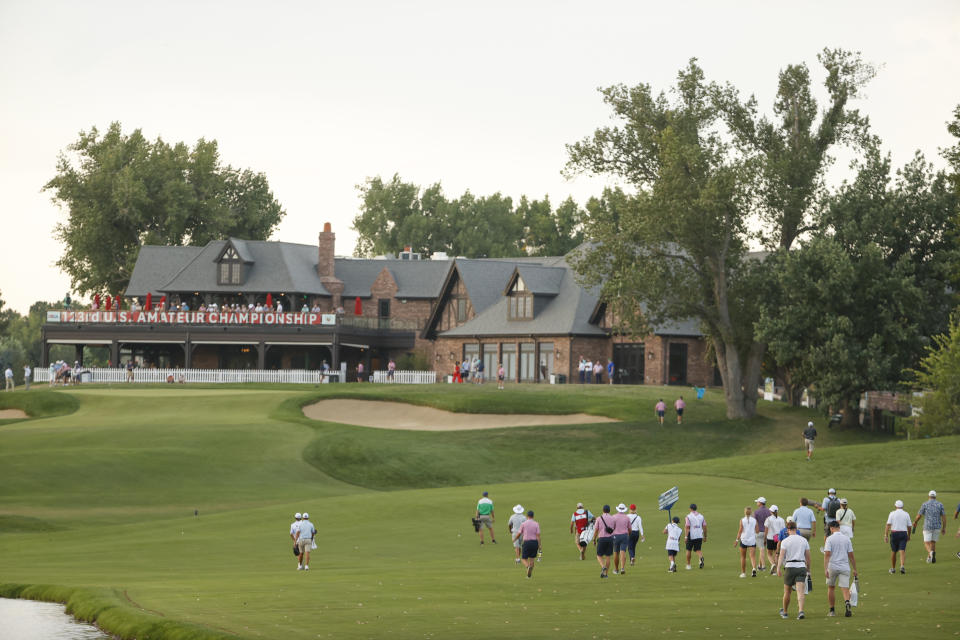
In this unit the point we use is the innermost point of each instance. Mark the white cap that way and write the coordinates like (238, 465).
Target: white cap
(789, 518)
(932, 494)
(297, 515)
(579, 505)
(761, 499)
(898, 504)
(810, 424)
(774, 508)
(622, 508)
(831, 490)
(843, 501)
(306, 516)
(518, 509)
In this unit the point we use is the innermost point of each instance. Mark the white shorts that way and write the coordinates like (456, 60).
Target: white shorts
(838, 578)
(931, 535)
(847, 530)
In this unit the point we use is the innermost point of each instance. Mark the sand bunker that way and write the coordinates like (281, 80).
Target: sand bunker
(7, 414)
(399, 415)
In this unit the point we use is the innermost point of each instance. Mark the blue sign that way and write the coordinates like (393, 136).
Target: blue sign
(668, 498)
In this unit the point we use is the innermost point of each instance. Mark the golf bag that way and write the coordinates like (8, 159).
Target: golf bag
(296, 550)
(476, 524)
(586, 536)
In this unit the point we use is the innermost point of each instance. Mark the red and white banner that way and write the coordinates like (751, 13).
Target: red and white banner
(191, 317)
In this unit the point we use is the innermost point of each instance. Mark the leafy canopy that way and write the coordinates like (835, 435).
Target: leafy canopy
(122, 191)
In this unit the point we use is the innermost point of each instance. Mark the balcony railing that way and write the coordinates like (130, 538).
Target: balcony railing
(233, 318)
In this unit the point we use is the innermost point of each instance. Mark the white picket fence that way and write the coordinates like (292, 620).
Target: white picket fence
(288, 376)
(406, 377)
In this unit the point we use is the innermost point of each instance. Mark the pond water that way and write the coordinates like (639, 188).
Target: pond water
(32, 620)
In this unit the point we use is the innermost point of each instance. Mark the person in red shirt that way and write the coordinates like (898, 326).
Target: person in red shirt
(578, 522)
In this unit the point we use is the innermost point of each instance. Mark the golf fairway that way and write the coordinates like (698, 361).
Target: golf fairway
(100, 505)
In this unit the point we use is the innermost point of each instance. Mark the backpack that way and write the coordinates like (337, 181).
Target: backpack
(833, 506)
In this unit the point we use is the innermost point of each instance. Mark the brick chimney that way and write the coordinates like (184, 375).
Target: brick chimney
(325, 264)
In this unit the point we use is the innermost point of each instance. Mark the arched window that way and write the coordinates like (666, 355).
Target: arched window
(229, 269)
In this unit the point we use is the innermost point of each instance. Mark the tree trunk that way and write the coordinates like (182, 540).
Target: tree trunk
(739, 382)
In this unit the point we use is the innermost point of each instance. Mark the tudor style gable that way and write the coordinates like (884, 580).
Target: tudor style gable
(383, 291)
(233, 262)
(453, 308)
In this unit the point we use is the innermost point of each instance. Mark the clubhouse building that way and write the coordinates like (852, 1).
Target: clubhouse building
(528, 313)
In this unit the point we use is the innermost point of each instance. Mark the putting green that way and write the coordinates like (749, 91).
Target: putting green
(103, 500)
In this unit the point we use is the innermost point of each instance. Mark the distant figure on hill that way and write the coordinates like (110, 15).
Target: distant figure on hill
(579, 521)
(695, 531)
(484, 513)
(8, 374)
(500, 375)
(934, 523)
(610, 370)
(305, 533)
(360, 372)
(479, 379)
(456, 372)
(294, 528)
(581, 369)
(391, 367)
(897, 532)
(661, 409)
(513, 528)
(598, 372)
(465, 371)
(809, 435)
(27, 372)
(680, 405)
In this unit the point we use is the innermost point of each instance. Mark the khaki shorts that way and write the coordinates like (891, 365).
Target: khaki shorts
(931, 535)
(809, 444)
(838, 578)
(304, 544)
(804, 532)
(486, 521)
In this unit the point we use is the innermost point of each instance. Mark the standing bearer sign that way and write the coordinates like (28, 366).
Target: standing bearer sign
(667, 499)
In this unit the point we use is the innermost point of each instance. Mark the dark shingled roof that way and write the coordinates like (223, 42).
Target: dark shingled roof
(156, 266)
(414, 278)
(541, 280)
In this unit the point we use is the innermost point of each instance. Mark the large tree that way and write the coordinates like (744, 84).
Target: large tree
(122, 191)
(708, 173)
(395, 214)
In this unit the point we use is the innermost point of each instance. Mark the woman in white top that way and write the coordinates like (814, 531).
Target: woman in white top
(773, 525)
(846, 518)
(747, 539)
(673, 532)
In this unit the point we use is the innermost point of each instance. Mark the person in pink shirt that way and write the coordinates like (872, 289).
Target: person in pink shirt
(529, 532)
(680, 405)
(500, 374)
(603, 539)
(621, 539)
(661, 409)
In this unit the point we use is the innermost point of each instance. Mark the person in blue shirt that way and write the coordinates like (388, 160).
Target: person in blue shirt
(806, 520)
(609, 371)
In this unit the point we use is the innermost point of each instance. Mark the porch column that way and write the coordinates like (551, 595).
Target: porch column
(261, 355)
(114, 353)
(536, 360)
(78, 353)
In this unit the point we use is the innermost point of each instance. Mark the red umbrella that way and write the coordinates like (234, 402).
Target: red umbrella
(148, 305)
(357, 307)
(270, 300)
(96, 300)
(163, 302)
(116, 301)
(109, 303)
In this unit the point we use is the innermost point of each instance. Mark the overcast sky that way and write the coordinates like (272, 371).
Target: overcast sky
(321, 95)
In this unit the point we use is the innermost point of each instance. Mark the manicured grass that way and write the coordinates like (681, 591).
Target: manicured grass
(38, 403)
(101, 503)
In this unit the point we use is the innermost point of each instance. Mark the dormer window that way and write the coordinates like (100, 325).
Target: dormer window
(230, 267)
(520, 304)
